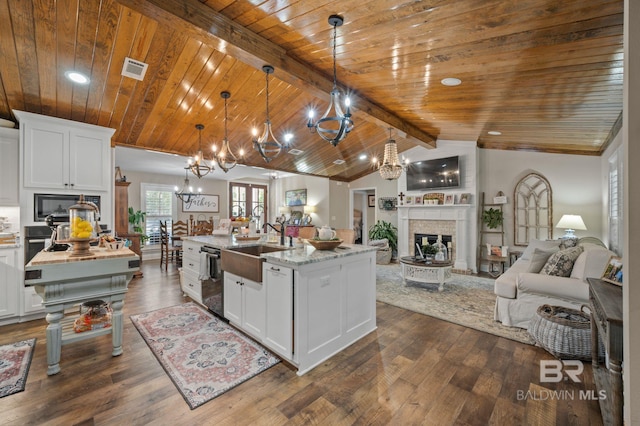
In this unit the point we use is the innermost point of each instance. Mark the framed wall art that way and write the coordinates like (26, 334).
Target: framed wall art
(296, 197)
(202, 203)
(372, 200)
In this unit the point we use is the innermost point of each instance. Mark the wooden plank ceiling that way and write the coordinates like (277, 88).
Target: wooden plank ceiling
(547, 74)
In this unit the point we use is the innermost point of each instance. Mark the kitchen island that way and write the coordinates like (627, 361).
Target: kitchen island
(310, 305)
(65, 281)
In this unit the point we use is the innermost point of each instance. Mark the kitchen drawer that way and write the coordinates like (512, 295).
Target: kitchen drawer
(189, 248)
(191, 285)
(191, 263)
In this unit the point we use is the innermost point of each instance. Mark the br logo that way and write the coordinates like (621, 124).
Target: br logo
(553, 371)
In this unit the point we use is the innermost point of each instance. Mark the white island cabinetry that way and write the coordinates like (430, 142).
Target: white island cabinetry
(244, 304)
(9, 284)
(189, 280)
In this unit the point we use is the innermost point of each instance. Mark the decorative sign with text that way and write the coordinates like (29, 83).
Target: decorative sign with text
(202, 203)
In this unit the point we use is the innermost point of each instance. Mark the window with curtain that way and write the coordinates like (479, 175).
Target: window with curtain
(158, 201)
(248, 200)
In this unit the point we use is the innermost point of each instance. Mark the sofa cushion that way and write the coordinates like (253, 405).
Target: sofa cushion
(591, 263)
(547, 245)
(539, 259)
(560, 263)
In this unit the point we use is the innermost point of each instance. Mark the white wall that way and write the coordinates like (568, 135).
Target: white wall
(576, 183)
(317, 195)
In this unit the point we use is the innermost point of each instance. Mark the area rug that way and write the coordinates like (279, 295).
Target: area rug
(15, 360)
(466, 300)
(203, 355)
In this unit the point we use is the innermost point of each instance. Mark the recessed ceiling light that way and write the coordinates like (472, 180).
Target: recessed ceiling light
(77, 77)
(363, 156)
(451, 81)
(494, 132)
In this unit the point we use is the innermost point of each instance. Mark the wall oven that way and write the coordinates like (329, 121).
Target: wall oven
(46, 204)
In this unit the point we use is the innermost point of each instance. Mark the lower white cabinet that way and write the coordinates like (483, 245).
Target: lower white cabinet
(189, 279)
(278, 284)
(9, 283)
(244, 304)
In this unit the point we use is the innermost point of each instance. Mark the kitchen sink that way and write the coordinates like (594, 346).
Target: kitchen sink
(245, 261)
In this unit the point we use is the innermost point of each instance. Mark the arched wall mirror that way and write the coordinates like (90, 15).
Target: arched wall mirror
(533, 209)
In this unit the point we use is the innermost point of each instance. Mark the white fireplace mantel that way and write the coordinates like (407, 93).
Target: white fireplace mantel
(466, 229)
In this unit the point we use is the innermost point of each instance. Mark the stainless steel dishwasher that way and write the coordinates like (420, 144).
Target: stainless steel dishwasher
(213, 287)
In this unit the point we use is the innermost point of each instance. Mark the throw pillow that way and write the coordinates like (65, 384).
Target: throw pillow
(546, 245)
(561, 263)
(538, 260)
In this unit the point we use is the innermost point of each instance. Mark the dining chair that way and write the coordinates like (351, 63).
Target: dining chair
(167, 251)
(348, 236)
(179, 229)
(202, 228)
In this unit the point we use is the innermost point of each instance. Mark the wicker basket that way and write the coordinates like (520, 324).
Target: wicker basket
(563, 332)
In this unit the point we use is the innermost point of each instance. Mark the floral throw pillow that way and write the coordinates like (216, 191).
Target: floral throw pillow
(561, 262)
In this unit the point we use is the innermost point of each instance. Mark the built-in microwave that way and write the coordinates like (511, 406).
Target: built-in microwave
(46, 204)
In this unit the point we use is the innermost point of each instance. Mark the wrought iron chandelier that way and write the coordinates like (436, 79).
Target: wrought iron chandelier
(333, 128)
(391, 167)
(225, 158)
(267, 145)
(198, 167)
(186, 193)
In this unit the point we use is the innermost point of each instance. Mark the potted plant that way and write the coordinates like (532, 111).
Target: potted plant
(493, 218)
(386, 230)
(136, 218)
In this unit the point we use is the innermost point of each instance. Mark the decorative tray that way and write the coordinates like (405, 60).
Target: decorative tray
(324, 244)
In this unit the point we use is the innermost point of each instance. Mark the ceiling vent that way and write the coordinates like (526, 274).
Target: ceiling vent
(134, 69)
(338, 162)
(295, 151)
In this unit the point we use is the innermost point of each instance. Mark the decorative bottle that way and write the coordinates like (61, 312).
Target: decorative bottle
(441, 253)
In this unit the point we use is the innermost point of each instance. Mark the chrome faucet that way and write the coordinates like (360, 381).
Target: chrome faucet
(282, 231)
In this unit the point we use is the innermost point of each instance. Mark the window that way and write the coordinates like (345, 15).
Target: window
(159, 202)
(248, 200)
(616, 235)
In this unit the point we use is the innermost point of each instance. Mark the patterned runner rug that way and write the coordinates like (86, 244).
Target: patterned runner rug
(466, 300)
(203, 355)
(15, 360)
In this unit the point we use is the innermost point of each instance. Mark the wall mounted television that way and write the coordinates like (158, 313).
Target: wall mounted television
(433, 174)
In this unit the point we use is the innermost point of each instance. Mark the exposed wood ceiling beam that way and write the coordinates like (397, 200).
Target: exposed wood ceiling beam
(233, 39)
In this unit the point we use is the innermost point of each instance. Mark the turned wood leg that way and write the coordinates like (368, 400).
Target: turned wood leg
(616, 390)
(54, 341)
(116, 327)
(594, 341)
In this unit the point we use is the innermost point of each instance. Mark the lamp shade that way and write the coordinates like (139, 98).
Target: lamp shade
(571, 221)
(284, 210)
(309, 209)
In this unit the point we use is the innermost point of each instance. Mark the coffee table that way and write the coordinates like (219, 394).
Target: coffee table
(418, 270)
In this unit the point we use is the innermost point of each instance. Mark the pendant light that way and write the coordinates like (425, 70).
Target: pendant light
(267, 145)
(391, 167)
(186, 193)
(199, 167)
(225, 158)
(333, 128)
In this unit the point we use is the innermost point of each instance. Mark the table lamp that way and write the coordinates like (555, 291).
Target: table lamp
(571, 222)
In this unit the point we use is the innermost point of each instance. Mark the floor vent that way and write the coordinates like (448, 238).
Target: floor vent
(134, 69)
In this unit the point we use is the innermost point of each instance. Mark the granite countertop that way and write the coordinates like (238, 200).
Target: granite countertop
(301, 254)
(97, 253)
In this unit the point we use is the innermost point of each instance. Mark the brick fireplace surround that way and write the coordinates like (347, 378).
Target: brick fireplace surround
(454, 220)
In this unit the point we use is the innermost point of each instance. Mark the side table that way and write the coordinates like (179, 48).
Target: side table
(497, 265)
(436, 273)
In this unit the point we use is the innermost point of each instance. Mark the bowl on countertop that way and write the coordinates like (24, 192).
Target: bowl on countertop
(324, 244)
(114, 245)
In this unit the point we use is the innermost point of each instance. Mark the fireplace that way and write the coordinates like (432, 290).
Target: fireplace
(430, 239)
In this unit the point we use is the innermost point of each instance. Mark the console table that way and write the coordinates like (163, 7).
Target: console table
(64, 282)
(606, 322)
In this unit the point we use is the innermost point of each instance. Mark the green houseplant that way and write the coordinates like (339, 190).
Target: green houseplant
(136, 218)
(386, 230)
(492, 218)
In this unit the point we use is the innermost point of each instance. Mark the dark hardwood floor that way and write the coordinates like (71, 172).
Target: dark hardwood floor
(412, 370)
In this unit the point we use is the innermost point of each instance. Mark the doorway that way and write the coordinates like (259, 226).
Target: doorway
(363, 212)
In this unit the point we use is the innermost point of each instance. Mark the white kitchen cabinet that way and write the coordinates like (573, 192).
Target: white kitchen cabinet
(9, 156)
(278, 284)
(189, 279)
(244, 304)
(9, 283)
(63, 154)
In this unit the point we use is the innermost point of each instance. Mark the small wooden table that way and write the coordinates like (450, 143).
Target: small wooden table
(497, 262)
(64, 282)
(420, 271)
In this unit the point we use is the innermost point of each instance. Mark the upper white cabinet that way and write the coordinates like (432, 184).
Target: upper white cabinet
(63, 154)
(9, 167)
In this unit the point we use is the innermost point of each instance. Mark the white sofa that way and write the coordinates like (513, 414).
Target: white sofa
(520, 292)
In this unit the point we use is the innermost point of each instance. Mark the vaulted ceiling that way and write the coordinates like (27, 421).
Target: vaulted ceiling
(547, 74)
